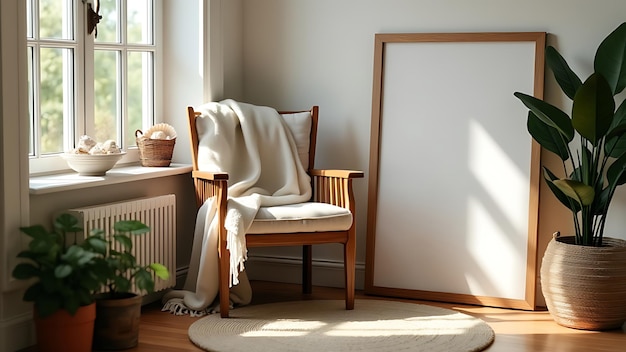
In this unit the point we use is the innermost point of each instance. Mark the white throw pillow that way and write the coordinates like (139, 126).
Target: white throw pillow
(300, 126)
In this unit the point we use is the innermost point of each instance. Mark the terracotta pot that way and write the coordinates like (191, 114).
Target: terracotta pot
(584, 286)
(64, 332)
(117, 322)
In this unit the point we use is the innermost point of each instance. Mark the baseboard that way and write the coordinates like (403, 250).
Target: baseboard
(289, 270)
(17, 332)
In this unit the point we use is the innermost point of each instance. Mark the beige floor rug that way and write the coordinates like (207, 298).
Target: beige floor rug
(324, 325)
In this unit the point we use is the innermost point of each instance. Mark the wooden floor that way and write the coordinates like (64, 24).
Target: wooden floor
(516, 331)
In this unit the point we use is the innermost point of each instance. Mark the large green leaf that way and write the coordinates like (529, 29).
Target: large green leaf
(610, 59)
(564, 199)
(583, 194)
(565, 77)
(616, 174)
(615, 144)
(549, 114)
(601, 202)
(547, 136)
(592, 111)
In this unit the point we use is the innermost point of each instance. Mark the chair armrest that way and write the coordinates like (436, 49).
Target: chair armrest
(334, 187)
(210, 184)
(336, 173)
(210, 176)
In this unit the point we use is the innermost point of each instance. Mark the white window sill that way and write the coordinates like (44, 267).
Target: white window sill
(72, 181)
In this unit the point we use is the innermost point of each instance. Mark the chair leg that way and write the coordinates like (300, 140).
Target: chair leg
(224, 273)
(307, 269)
(350, 267)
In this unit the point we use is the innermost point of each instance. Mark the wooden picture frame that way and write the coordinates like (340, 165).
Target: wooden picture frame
(454, 175)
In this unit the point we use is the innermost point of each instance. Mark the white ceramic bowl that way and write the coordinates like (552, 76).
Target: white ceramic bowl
(92, 165)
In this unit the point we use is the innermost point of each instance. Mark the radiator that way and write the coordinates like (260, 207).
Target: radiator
(158, 245)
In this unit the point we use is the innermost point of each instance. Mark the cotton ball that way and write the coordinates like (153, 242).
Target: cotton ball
(158, 135)
(110, 147)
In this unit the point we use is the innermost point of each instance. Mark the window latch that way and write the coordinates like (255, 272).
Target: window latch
(93, 18)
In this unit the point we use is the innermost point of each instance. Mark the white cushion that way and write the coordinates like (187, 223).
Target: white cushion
(302, 217)
(300, 126)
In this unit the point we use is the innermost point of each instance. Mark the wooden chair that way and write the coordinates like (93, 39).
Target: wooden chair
(329, 186)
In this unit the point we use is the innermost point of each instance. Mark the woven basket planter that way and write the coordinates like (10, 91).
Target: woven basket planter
(585, 287)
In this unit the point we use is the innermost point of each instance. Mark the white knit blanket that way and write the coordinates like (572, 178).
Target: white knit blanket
(254, 145)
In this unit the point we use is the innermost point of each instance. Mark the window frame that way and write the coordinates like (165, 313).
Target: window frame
(83, 73)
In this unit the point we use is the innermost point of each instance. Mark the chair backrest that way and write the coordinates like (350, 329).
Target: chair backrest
(302, 124)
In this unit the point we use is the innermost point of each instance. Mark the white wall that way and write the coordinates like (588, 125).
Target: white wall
(298, 53)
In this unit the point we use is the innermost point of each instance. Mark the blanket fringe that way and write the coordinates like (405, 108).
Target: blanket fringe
(176, 306)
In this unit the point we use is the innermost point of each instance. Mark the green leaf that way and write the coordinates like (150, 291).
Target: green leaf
(547, 136)
(122, 284)
(125, 241)
(71, 304)
(67, 223)
(565, 77)
(549, 114)
(615, 144)
(96, 244)
(24, 271)
(47, 305)
(562, 197)
(144, 280)
(33, 292)
(160, 270)
(62, 271)
(610, 59)
(578, 191)
(133, 226)
(601, 203)
(592, 111)
(616, 174)
(78, 256)
(36, 232)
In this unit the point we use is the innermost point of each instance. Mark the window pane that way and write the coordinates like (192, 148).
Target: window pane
(108, 28)
(29, 19)
(106, 94)
(140, 94)
(139, 24)
(56, 93)
(31, 101)
(56, 19)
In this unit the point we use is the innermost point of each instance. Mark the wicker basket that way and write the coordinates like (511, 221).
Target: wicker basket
(585, 287)
(154, 152)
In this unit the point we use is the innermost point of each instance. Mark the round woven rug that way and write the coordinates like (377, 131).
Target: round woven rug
(325, 325)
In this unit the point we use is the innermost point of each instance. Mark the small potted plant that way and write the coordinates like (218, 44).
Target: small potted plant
(118, 309)
(582, 275)
(66, 275)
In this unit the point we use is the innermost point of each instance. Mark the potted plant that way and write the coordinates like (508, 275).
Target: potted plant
(591, 144)
(66, 276)
(118, 309)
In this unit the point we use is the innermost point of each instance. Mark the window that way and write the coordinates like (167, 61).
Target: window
(100, 84)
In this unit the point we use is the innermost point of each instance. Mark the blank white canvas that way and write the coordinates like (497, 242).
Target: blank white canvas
(454, 163)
